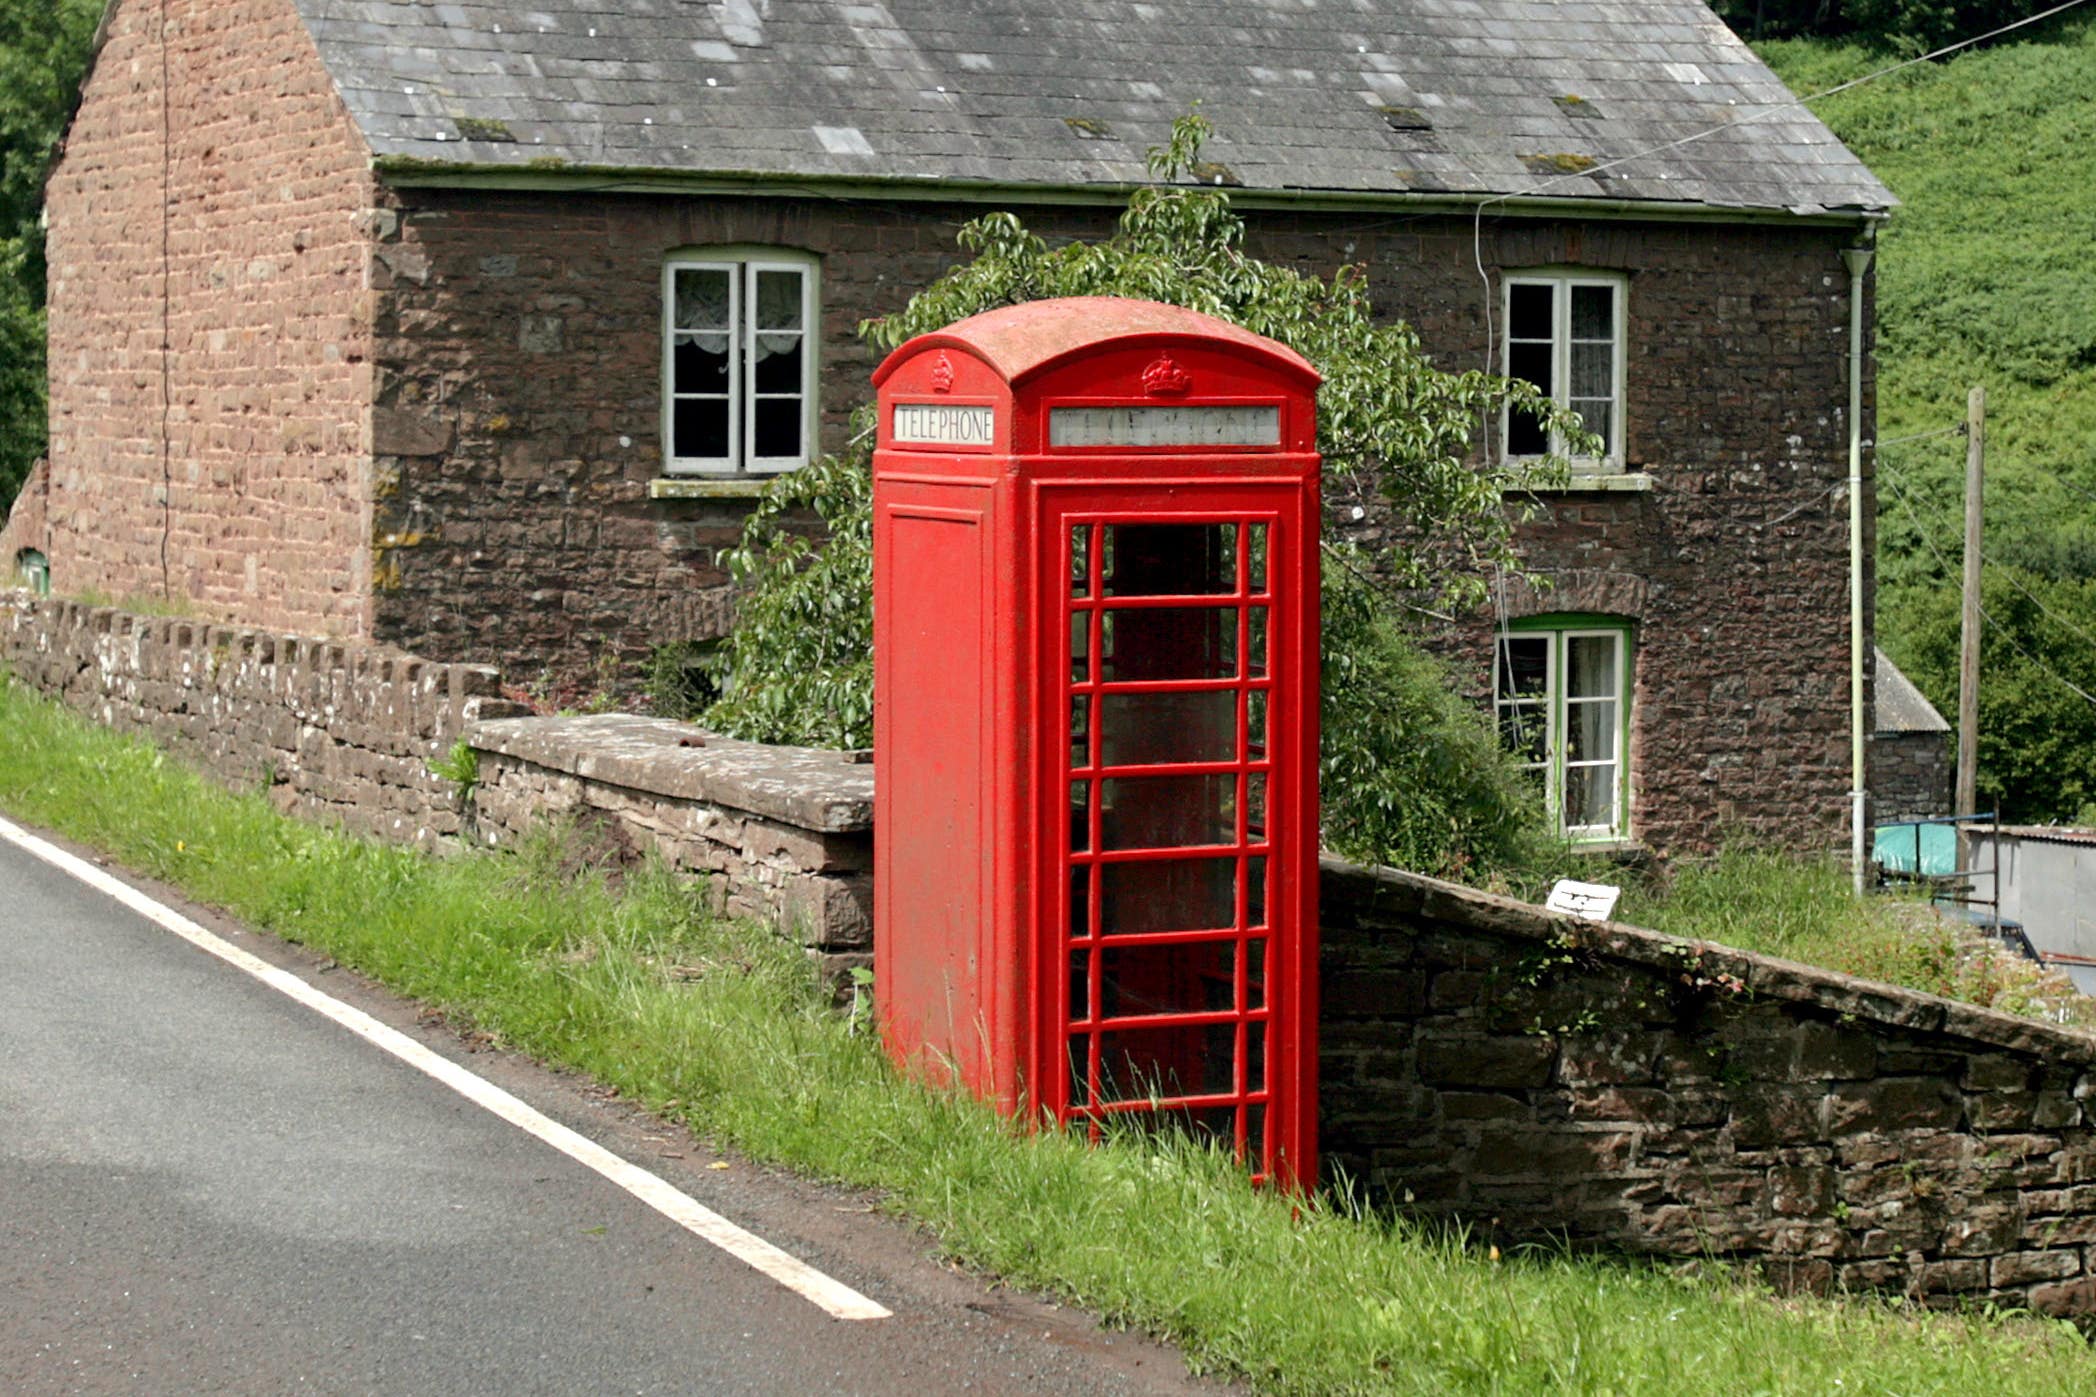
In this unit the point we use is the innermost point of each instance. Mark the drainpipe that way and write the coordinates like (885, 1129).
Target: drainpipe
(1858, 260)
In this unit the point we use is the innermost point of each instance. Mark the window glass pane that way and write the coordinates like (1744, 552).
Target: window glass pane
(1525, 435)
(1171, 560)
(1524, 731)
(1599, 418)
(1080, 816)
(1166, 812)
(1168, 895)
(1531, 311)
(1590, 663)
(1152, 729)
(1080, 901)
(779, 300)
(699, 364)
(1532, 362)
(1169, 642)
(1255, 808)
(1217, 1124)
(1255, 973)
(1255, 891)
(1590, 796)
(1080, 986)
(1591, 734)
(778, 364)
(1185, 979)
(1593, 312)
(1184, 1060)
(1080, 560)
(1080, 646)
(1524, 666)
(1258, 559)
(1255, 1057)
(778, 427)
(1593, 370)
(700, 428)
(703, 298)
(1080, 731)
(1255, 725)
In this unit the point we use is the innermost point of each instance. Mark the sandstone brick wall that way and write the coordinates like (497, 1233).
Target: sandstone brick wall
(783, 833)
(223, 215)
(1545, 1078)
(337, 731)
(519, 411)
(1912, 775)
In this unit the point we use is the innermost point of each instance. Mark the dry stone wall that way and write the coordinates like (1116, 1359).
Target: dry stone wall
(339, 731)
(1545, 1078)
(779, 832)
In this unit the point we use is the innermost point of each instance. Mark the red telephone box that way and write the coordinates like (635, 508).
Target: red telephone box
(1095, 720)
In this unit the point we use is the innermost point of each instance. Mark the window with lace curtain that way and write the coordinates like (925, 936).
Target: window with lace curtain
(738, 361)
(1561, 691)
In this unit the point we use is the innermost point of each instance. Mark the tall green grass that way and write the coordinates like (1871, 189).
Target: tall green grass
(1803, 909)
(723, 1028)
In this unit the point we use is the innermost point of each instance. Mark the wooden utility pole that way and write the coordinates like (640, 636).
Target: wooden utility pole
(1967, 795)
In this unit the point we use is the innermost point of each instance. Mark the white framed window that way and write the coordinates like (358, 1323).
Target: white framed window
(1564, 334)
(1561, 693)
(738, 361)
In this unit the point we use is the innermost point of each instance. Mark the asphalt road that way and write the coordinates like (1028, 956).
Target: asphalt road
(205, 1186)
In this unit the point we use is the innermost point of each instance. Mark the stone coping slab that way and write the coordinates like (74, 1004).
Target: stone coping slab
(806, 786)
(1388, 891)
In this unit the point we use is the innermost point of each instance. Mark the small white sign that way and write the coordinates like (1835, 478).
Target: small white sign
(1247, 424)
(944, 424)
(1593, 901)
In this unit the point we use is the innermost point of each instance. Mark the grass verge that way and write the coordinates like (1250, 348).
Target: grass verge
(721, 1027)
(1803, 909)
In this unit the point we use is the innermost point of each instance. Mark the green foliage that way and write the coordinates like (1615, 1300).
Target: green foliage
(1915, 26)
(1412, 773)
(43, 53)
(722, 1029)
(798, 667)
(1984, 278)
(460, 766)
(1803, 909)
(677, 683)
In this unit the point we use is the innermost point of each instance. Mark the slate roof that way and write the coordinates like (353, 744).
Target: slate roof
(1898, 705)
(1335, 97)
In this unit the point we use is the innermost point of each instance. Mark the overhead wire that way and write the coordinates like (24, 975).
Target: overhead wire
(1951, 574)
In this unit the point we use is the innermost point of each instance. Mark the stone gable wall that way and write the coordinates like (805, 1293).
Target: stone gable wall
(226, 218)
(519, 406)
(1912, 775)
(1544, 1078)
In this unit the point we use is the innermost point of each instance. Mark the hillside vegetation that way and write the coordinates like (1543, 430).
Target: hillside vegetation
(1987, 275)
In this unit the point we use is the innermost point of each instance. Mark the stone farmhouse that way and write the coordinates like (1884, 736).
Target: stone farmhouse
(474, 328)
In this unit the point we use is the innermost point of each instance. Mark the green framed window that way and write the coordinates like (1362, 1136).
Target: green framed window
(1561, 694)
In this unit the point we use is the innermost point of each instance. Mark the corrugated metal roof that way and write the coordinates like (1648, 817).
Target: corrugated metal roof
(1465, 97)
(1899, 706)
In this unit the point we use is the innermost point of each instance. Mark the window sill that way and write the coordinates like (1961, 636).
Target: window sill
(1610, 482)
(703, 487)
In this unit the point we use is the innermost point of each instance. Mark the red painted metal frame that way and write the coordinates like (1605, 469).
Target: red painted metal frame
(973, 702)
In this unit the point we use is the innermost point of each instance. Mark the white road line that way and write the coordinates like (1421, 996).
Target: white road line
(796, 1275)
